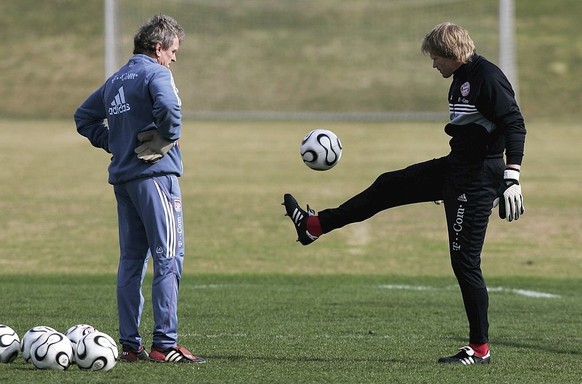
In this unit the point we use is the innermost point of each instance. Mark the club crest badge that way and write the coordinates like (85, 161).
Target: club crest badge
(178, 205)
(465, 89)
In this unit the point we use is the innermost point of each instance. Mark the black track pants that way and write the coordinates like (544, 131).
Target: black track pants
(468, 192)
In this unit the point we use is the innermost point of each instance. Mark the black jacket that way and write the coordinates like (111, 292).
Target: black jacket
(485, 119)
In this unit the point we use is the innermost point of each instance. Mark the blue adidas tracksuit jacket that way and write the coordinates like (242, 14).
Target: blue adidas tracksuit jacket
(142, 96)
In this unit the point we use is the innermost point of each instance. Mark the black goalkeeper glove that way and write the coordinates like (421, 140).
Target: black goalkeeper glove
(510, 198)
(153, 147)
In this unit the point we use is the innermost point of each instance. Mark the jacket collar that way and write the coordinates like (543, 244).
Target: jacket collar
(468, 67)
(140, 58)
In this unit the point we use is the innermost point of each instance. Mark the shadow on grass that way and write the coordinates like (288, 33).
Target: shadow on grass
(300, 359)
(557, 346)
(560, 347)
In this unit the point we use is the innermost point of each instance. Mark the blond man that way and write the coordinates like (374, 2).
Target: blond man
(485, 125)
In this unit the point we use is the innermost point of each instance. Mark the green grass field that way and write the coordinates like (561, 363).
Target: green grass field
(373, 302)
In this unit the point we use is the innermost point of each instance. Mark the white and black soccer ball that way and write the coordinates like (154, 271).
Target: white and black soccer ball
(321, 149)
(51, 350)
(76, 333)
(96, 351)
(9, 344)
(30, 337)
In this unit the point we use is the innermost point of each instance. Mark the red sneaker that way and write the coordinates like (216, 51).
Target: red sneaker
(129, 355)
(176, 354)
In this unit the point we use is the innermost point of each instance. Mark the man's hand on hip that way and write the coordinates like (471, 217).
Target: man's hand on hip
(153, 147)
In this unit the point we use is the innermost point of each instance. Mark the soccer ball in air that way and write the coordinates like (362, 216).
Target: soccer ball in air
(9, 344)
(321, 149)
(76, 333)
(30, 337)
(52, 350)
(96, 351)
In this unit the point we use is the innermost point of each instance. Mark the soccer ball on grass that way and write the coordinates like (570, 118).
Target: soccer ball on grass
(9, 344)
(76, 333)
(30, 337)
(321, 149)
(96, 351)
(52, 350)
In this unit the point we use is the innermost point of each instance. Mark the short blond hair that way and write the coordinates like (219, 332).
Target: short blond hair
(450, 41)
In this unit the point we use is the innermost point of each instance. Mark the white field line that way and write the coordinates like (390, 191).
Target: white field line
(526, 292)
(209, 286)
(520, 292)
(405, 287)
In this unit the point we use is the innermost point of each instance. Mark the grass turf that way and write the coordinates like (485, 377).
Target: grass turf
(335, 328)
(374, 302)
